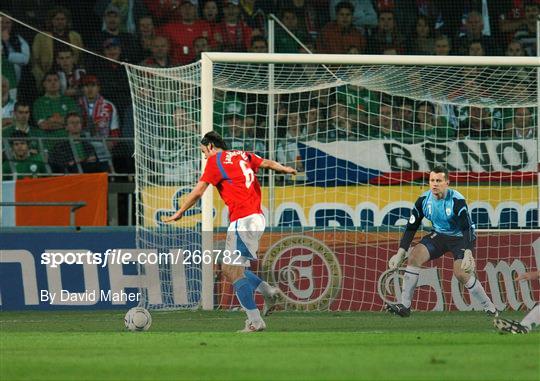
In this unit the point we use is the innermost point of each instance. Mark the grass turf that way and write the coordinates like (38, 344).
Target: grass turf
(299, 346)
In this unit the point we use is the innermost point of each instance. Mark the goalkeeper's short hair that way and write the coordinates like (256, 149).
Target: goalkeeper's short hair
(214, 138)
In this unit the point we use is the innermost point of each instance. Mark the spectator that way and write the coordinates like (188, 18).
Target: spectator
(474, 31)
(313, 120)
(512, 18)
(386, 35)
(520, 123)
(21, 163)
(427, 125)
(422, 42)
(476, 48)
(443, 46)
(251, 141)
(111, 30)
(182, 34)
(476, 123)
(234, 131)
(362, 104)
(200, 45)
(527, 33)
(44, 48)
(405, 113)
(99, 116)
(388, 128)
(515, 48)
(160, 53)
(287, 151)
(235, 33)
(130, 13)
(145, 37)
(74, 155)
(15, 50)
(338, 36)
(284, 42)
(254, 14)
(258, 45)
(306, 14)
(364, 16)
(21, 123)
(340, 126)
(8, 103)
(163, 10)
(69, 73)
(113, 78)
(50, 110)
(212, 16)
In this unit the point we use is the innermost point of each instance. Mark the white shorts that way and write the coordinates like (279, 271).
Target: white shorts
(243, 237)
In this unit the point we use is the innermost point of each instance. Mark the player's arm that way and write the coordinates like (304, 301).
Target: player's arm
(275, 166)
(464, 222)
(412, 226)
(191, 199)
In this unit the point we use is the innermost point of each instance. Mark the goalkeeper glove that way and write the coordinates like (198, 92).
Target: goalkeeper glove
(467, 263)
(397, 259)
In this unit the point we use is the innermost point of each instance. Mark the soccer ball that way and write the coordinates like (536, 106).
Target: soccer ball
(138, 319)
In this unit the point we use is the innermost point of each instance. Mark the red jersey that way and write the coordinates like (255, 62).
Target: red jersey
(181, 37)
(233, 174)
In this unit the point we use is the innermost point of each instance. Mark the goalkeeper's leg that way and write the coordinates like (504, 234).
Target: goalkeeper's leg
(419, 255)
(532, 318)
(475, 289)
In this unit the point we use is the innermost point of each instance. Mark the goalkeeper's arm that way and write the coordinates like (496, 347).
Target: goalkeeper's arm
(464, 223)
(412, 225)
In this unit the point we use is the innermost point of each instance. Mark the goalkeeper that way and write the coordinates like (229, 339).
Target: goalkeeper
(453, 231)
(530, 320)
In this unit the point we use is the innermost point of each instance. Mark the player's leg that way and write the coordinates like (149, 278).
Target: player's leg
(250, 230)
(233, 268)
(471, 283)
(419, 255)
(532, 318)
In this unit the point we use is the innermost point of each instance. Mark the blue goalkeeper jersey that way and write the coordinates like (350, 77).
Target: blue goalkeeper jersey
(449, 216)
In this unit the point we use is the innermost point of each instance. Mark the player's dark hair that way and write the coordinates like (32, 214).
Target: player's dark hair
(441, 169)
(214, 138)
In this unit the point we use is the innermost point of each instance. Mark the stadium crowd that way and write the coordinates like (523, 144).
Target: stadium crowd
(66, 111)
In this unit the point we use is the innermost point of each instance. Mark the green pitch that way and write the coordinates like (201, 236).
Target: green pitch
(307, 346)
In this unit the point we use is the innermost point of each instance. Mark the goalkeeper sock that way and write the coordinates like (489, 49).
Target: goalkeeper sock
(478, 293)
(533, 317)
(409, 284)
(244, 293)
(257, 283)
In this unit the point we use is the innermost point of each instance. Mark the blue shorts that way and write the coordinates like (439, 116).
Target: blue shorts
(438, 244)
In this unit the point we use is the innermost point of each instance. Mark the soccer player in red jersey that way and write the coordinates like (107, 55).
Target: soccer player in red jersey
(232, 172)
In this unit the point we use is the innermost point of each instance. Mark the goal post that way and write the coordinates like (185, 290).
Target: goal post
(335, 225)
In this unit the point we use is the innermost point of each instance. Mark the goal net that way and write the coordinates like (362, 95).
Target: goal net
(363, 133)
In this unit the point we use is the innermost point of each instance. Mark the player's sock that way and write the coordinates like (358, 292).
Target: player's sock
(410, 280)
(257, 283)
(244, 293)
(533, 317)
(479, 294)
